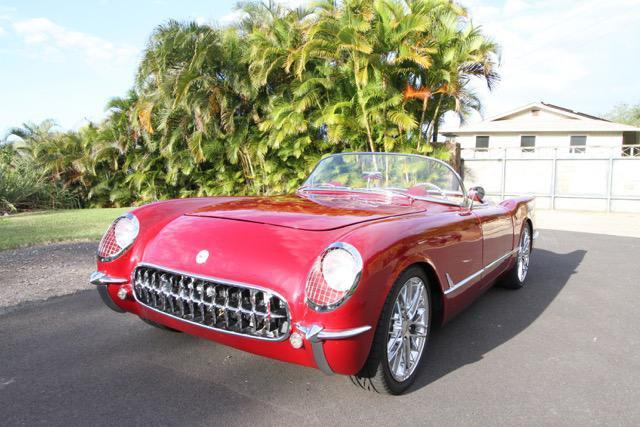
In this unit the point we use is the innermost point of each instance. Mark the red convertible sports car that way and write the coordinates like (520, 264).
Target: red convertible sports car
(347, 275)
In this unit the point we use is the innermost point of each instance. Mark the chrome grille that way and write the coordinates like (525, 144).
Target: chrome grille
(218, 305)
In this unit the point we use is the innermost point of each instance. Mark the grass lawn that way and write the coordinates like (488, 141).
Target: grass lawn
(55, 226)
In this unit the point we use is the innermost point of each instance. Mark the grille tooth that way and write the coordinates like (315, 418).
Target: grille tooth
(221, 306)
(221, 296)
(233, 300)
(171, 304)
(245, 299)
(260, 306)
(179, 296)
(168, 289)
(267, 319)
(144, 283)
(190, 289)
(162, 294)
(152, 290)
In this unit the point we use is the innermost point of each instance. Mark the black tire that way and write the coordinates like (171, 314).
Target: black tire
(513, 278)
(159, 326)
(376, 375)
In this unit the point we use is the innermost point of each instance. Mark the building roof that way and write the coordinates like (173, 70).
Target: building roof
(565, 120)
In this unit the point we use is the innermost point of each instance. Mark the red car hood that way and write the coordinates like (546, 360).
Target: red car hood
(314, 212)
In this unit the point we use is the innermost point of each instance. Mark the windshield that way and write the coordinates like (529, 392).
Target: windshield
(413, 175)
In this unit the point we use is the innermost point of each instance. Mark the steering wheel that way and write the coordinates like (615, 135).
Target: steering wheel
(432, 186)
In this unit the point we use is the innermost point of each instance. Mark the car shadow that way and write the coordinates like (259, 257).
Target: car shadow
(496, 317)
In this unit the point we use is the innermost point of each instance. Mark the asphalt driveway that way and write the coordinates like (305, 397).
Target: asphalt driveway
(563, 350)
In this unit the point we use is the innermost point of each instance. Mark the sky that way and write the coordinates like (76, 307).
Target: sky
(65, 60)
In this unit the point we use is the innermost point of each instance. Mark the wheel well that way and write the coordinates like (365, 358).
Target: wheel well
(436, 291)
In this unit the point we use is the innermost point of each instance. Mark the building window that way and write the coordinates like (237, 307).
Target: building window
(578, 144)
(528, 144)
(482, 143)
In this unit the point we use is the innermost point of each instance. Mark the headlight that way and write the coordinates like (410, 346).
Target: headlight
(333, 277)
(126, 231)
(339, 269)
(119, 236)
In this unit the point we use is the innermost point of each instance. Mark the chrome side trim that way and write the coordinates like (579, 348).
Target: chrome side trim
(463, 282)
(502, 258)
(99, 278)
(316, 335)
(453, 287)
(221, 281)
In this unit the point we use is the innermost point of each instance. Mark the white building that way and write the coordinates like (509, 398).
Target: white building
(568, 160)
(540, 127)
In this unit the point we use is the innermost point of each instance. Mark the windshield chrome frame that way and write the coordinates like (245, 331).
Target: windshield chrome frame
(465, 198)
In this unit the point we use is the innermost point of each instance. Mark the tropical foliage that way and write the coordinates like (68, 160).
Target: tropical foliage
(250, 108)
(24, 184)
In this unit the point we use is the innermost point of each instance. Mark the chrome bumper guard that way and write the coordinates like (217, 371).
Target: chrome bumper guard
(101, 281)
(316, 335)
(98, 278)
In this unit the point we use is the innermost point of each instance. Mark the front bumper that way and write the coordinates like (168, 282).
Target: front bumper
(330, 350)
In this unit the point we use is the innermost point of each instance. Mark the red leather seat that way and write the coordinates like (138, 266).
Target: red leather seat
(418, 190)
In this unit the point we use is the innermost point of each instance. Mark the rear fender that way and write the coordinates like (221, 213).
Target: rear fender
(521, 209)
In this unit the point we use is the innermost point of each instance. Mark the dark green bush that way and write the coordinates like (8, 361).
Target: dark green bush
(23, 186)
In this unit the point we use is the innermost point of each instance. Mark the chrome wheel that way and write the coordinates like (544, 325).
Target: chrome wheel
(408, 329)
(524, 253)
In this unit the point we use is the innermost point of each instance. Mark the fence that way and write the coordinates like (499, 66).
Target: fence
(595, 178)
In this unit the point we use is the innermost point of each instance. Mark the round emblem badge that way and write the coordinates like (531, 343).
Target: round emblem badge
(202, 256)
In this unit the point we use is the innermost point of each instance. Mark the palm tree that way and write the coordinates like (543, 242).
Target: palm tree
(31, 137)
(462, 53)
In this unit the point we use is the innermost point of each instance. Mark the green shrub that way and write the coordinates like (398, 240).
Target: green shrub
(24, 187)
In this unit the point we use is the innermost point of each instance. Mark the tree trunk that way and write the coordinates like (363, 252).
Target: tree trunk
(435, 131)
(432, 135)
(366, 120)
(425, 103)
(361, 104)
(369, 137)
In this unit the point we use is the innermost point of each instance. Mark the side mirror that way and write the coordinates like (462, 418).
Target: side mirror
(476, 194)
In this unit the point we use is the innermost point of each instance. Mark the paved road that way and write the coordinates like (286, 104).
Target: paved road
(564, 350)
